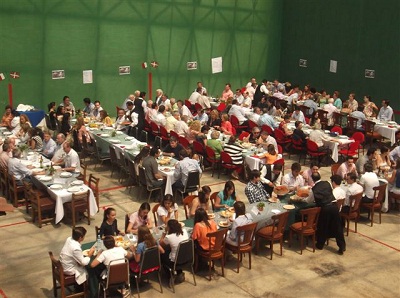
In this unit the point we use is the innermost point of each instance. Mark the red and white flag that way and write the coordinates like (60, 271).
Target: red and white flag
(2, 76)
(144, 65)
(14, 75)
(154, 64)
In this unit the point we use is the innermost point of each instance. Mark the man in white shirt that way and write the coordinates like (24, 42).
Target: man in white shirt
(271, 176)
(394, 155)
(338, 192)
(238, 111)
(49, 146)
(181, 127)
(18, 169)
(194, 97)
(238, 96)
(171, 121)
(293, 180)
(184, 110)
(159, 94)
(160, 119)
(203, 89)
(247, 100)
(347, 167)
(96, 110)
(165, 102)
(352, 189)
(330, 108)
(71, 160)
(360, 119)
(255, 115)
(369, 180)
(280, 93)
(298, 115)
(131, 98)
(386, 111)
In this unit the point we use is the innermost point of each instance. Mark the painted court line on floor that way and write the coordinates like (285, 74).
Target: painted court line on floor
(2, 294)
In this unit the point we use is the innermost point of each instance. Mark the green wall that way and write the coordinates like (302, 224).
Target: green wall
(38, 36)
(359, 34)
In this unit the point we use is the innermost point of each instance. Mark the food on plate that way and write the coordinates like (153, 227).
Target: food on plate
(303, 192)
(281, 190)
(224, 223)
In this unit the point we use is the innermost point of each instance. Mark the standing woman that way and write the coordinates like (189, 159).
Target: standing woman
(52, 125)
(105, 118)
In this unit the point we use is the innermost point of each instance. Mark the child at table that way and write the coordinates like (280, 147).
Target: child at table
(145, 240)
(109, 226)
(167, 210)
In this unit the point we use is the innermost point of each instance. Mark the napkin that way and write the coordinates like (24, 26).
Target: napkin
(275, 211)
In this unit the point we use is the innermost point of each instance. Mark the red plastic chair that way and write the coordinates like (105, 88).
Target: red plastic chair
(234, 130)
(243, 135)
(198, 106)
(235, 123)
(184, 142)
(174, 134)
(147, 125)
(164, 133)
(312, 151)
(198, 148)
(281, 139)
(227, 163)
(188, 104)
(351, 151)
(298, 147)
(359, 137)
(268, 129)
(307, 120)
(155, 129)
(337, 129)
(221, 107)
(210, 156)
(252, 124)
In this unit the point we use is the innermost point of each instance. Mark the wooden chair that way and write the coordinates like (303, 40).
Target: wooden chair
(93, 183)
(126, 223)
(281, 139)
(323, 117)
(29, 186)
(244, 244)
(83, 175)
(154, 211)
(337, 119)
(354, 212)
(307, 226)
(63, 281)
(274, 232)
(15, 191)
(213, 197)
(184, 256)
(149, 263)
(351, 125)
(87, 149)
(79, 204)
(4, 180)
(187, 202)
(370, 131)
(41, 206)
(113, 160)
(117, 276)
(215, 251)
(334, 168)
(379, 197)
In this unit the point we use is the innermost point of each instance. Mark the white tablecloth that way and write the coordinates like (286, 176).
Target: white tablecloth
(334, 146)
(170, 178)
(387, 132)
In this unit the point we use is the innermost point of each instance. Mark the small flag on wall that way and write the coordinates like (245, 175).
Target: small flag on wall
(2, 77)
(144, 65)
(154, 64)
(14, 75)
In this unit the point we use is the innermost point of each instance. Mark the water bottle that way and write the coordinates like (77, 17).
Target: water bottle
(98, 244)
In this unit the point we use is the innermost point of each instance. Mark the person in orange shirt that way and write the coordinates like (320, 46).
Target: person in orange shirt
(7, 117)
(202, 226)
(271, 156)
(227, 93)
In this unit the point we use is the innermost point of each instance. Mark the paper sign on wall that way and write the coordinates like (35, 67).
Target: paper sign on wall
(87, 76)
(216, 65)
(333, 66)
(58, 74)
(303, 63)
(370, 73)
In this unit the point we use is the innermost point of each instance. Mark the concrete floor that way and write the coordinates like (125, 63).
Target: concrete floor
(369, 268)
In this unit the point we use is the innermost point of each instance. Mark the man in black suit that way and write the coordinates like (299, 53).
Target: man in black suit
(140, 106)
(329, 224)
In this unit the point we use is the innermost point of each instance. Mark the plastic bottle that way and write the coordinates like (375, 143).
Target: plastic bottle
(98, 244)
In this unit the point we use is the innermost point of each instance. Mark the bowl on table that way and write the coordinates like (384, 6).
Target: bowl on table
(224, 223)
(56, 187)
(66, 175)
(281, 190)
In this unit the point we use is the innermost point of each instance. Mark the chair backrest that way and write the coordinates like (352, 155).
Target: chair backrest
(355, 201)
(219, 238)
(93, 183)
(369, 126)
(80, 200)
(77, 145)
(174, 134)
(246, 234)
(198, 148)
(337, 129)
(118, 272)
(213, 197)
(113, 155)
(150, 260)
(83, 172)
(279, 134)
(352, 123)
(379, 194)
(334, 168)
(57, 269)
(184, 253)
(225, 158)
(353, 147)
(142, 176)
(280, 161)
(188, 104)
(312, 146)
(154, 211)
(97, 150)
(144, 136)
(187, 202)
(164, 132)
(358, 136)
(155, 129)
(193, 180)
(243, 135)
(252, 124)
(312, 215)
(198, 106)
(234, 120)
(210, 154)
(339, 203)
(280, 221)
(184, 142)
(158, 142)
(337, 118)
(221, 107)
(280, 149)
(322, 115)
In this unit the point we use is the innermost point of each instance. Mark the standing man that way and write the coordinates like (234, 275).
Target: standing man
(271, 176)
(329, 223)
(140, 109)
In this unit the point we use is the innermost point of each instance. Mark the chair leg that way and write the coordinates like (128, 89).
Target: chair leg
(271, 247)
(137, 285)
(281, 241)
(355, 221)
(380, 215)
(313, 237)
(290, 238)
(171, 281)
(209, 270)
(238, 261)
(249, 259)
(223, 265)
(372, 216)
(301, 244)
(257, 243)
(348, 226)
(159, 281)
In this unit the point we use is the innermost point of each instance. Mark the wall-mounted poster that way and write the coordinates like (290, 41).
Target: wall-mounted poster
(303, 63)
(87, 76)
(370, 73)
(57, 74)
(191, 65)
(124, 70)
(216, 65)
(333, 66)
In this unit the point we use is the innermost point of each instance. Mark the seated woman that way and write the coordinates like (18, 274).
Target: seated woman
(382, 160)
(226, 126)
(105, 118)
(195, 133)
(202, 226)
(36, 140)
(24, 119)
(23, 134)
(271, 155)
(81, 130)
(109, 226)
(214, 119)
(394, 180)
(71, 256)
(241, 219)
(145, 240)
(167, 210)
(65, 127)
(227, 197)
(140, 218)
(172, 237)
(215, 144)
(283, 125)
(235, 151)
(201, 201)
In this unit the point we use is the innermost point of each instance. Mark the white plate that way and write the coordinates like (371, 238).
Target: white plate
(391, 122)
(77, 182)
(105, 135)
(74, 189)
(56, 167)
(7, 133)
(46, 178)
(115, 141)
(108, 128)
(65, 175)
(56, 186)
(129, 138)
(31, 153)
(288, 207)
(3, 128)
(119, 133)
(327, 131)
(37, 170)
(343, 137)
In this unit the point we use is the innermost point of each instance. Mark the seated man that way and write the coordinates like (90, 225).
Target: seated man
(386, 111)
(160, 119)
(254, 136)
(5, 154)
(96, 110)
(347, 167)
(150, 165)
(173, 148)
(254, 190)
(71, 160)
(265, 139)
(283, 126)
(239, 112)
(59, 152)
(360, 163)
(182, 169)
(171, 120)
(353, 189)
(49, 146)
(369, 180)
(298, 133)
(330, 108)
(19, 170)
(271, 176)
(293, 180)
(307, 174)
(89, 107)
(267, 119)
(338, 192)
(360, 116)
(298, 115)
(201, 116)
